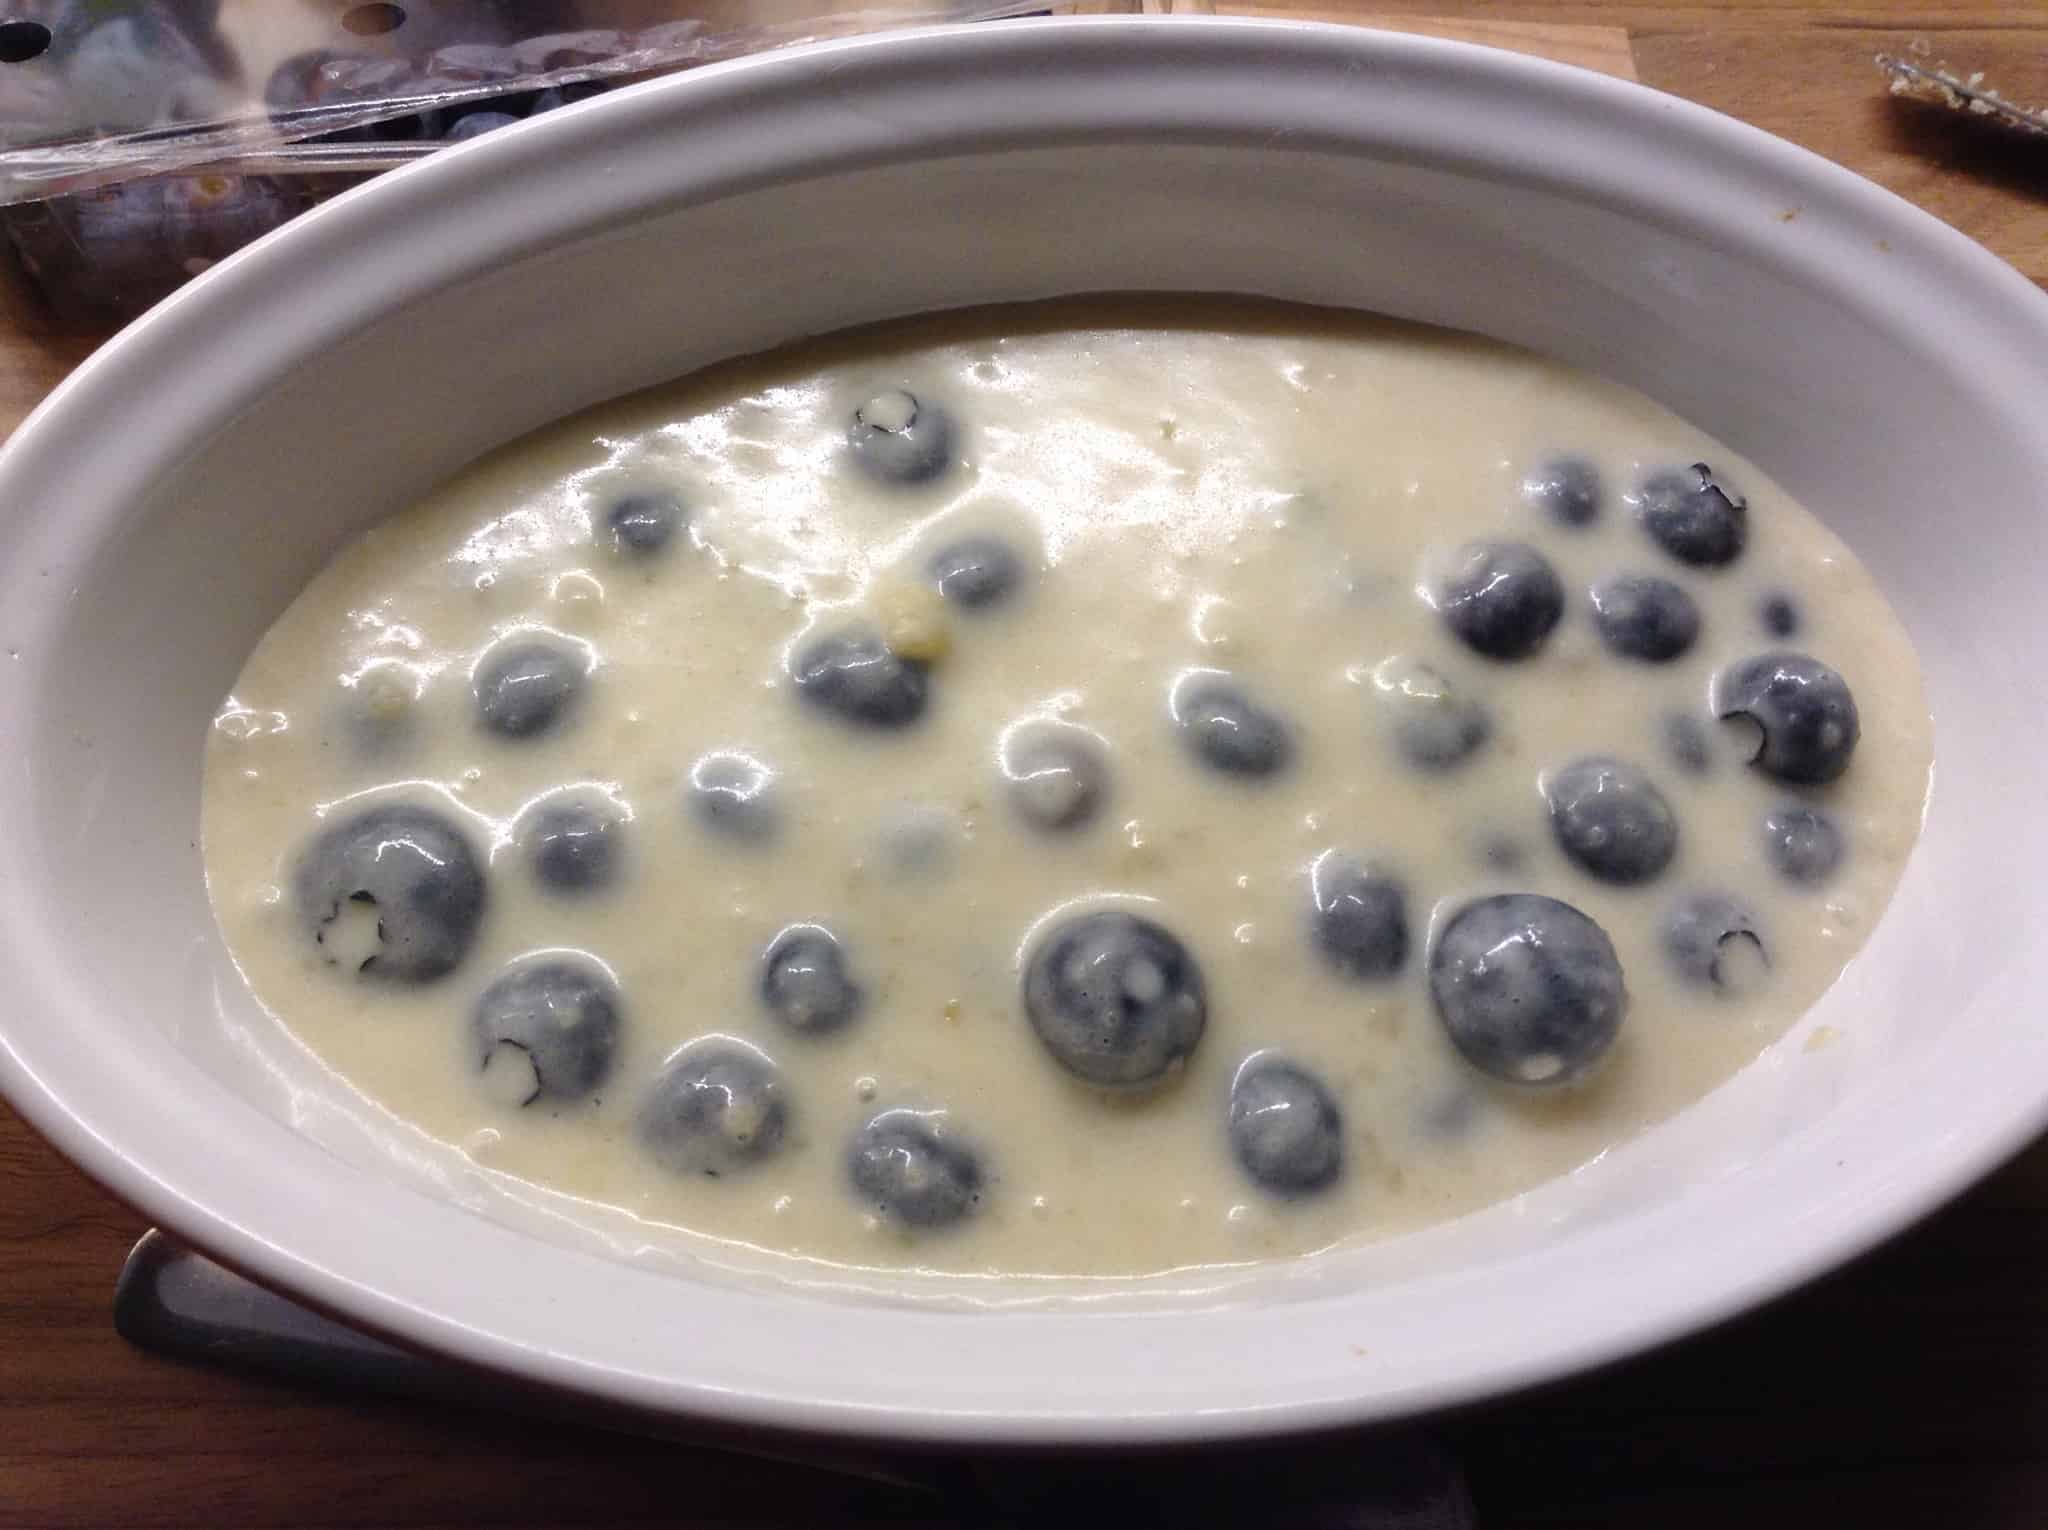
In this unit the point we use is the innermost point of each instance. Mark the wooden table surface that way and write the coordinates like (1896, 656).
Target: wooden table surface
(1911, 1389)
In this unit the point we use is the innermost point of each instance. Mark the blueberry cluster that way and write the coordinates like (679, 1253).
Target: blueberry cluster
(397, 894)
(336, 82)
(1528, 990)
(1793, 714)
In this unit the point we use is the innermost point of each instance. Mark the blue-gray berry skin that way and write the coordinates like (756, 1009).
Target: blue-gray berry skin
(643, 523)
(1117, 999)
(718, 1107)
(1359, 918)
(1713, 942)
(805, 981)
(558, 96)
(912, 1173)
(414, 870)
(1529, 989)
(1686, 742)
(976, 573)
(1435, 726)
(526, 686)
(1693, 516)
(1502, 599)
(1567, 489)
(1228, 730)
(1644, 618)
(735, 796)
(1443, 738)
(900, 438)
(475, 125)
(1058, 776)
(855, 677)
(574, 847)
(1286, 1130)
(1803, 844)
(1779, 615)
(1611, 821)
(1804, 714)
(562, 1012)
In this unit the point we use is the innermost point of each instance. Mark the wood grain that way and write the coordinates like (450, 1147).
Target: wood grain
(1803, 71)
(1911, 1389)
(1604, 48)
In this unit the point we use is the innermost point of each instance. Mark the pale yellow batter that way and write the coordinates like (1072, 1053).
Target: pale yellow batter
(1268, 493)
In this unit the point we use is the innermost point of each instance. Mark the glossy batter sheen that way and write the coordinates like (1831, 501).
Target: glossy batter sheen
(1273, 494)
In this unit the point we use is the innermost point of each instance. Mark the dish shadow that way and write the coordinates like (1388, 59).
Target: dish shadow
(1962, 143)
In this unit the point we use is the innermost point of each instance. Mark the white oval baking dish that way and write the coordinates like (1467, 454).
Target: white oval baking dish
(167, 502)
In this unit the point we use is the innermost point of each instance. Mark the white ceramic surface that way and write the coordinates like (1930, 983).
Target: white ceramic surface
(166, 503)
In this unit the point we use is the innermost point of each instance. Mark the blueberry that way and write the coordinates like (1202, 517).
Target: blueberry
(855, 677)
(414, 871)
(565, 95)
(121, 225)
(1567, 488)
(1779, 614)
(1645, 618)
(1611, 820)
(642, 524)
(524, 686)
(1693, 517)
(1285, 1128)
(734, 795)
(513, 103)
(1805, 717)
(1117, 1000)
(1058, 776)
(896, 437)
(804, 981)
(1227, 730)
(410, 127)
(1360, 920)
(1435, 726)
(476, 124)
(913, 1175)
(717, 1107)
(918, 840)
(1528, 988)
(314, 89)
(1802, 845)
(549, 1024)
(1711, 942)
(1686, 741)
(208, 217)
(975, 572)
(1503, 600)
(574, 847)
(318, 77)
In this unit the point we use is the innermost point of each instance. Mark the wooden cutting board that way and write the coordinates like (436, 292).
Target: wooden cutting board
(1802, 69)
(1605, 48)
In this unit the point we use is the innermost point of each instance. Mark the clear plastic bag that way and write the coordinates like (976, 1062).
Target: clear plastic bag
(96, 91)
(141, 140)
